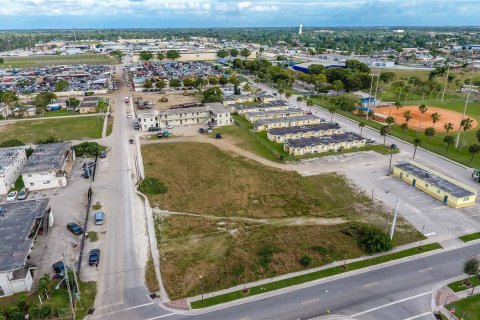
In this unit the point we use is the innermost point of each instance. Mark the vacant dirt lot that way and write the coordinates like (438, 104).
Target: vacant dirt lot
(173, 98)
(250, 221)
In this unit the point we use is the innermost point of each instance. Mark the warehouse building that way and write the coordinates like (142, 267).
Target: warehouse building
(49, 166)
(20, 224)
(280, 135)
(268, 124)
(451, 192)
(335, 142)
(11, 163)
(210, 113)
(272, 105)
(273, 114)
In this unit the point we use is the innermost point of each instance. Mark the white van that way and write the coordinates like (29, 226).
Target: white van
(99, 217)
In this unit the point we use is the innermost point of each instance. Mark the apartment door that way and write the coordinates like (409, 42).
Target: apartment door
(414, 182)
(445, 199)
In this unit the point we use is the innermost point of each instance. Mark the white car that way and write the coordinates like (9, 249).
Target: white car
(12, 196)
(129, 116)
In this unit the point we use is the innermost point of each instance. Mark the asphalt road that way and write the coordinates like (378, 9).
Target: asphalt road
(399, 292)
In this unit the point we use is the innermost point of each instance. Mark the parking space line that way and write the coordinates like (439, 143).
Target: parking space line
(418, 316)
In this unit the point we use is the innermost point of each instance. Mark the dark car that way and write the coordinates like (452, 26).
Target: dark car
(153, 129)
(218, 136)
(130, 141)
(103, 154)
(59, 267)
(74, 228)
(201, 130)
(94, 257)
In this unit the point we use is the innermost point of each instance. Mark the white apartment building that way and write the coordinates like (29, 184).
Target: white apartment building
(11, 163)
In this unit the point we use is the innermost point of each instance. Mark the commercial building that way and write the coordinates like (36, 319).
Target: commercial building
(11, 163)
(321, 144)
(280, 135)
(268, 124)
(445, 189)
(21, 223)
(273, 114)
(269, 106)
(210, 113)
(49, 166)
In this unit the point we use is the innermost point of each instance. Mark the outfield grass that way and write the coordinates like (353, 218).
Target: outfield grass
(468, 308)
(252, 221)
(458, 286)
(39, 61)
(71, 128)
(470, 237)
(312, 276)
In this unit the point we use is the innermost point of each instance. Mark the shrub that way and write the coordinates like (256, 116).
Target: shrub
(11, 143)
(89, 149)
(47, 140)
(152, 186)
(306, 260)
(266, 255)
(374, 241)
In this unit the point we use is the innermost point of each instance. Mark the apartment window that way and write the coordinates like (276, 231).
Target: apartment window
(426, 185)
(46, 182)
(31, 184)
(466, 198)
(438, 191)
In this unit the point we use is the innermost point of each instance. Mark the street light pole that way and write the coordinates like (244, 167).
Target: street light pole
(370, 94)
(376, 89)
(469, 89)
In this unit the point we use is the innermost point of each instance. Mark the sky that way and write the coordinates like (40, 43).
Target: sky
(61, 14)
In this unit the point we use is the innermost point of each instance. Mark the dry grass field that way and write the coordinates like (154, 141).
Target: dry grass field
(247, 221)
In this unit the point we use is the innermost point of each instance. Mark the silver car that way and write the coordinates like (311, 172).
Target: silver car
(23, 194)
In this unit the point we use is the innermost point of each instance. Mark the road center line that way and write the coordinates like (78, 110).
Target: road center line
(423, 270)
(390, 304)
(370, 284)
(419, 316)
(309, 301)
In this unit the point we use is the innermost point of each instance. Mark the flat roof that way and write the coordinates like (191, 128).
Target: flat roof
(286, 119)
(435, 180)
(310, 128)
(324, 140)
(16, 222)
(8, 157)
(217, 107)
(47, 157)
(276, 103)
(275, 112)
(236, 97)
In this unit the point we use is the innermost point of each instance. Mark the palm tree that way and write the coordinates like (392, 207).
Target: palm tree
(404, 127)
(390, 120)
(310, 104)
(448, 126)
(398, 105)
(407, 115)
(288, 94)
(477, 135)
(280, 92)
(299, 99)
(435, 118)
(416, 143)
(465, 125)
(448, 140)
(384, 132)
(332, 111)
(430, 132)
(361, 124)
(370, 114)
(474, 149)
(422, 108)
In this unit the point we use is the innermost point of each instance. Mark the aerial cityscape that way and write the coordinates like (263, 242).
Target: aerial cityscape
(240, 160)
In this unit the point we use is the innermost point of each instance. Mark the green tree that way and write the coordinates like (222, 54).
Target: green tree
(416, 143)
(387, 76)
(357, 65)
(213, 94)
(234, 52)
(188, 82)
(175, 83)
(435, 118)
(280, 92)
(288, 94)
(160, 84)
(422, 108)
(34, 312)
(470, 268)
(448, 126)
(316, 69)
(429, 133)
(61, 85)
(310, 104)
(72, 102)
(374, 240)
(245, 53)
(338, 85)
(223, 81)
(222, 53)
(148, 84)
(384, 131)
(397, 105)
(213, 80)
(474, 149)
(332, 110)
(146, 55)
(404, 128)
(361, 124)
(160, 56)
(448, 140)
(390, 120)
(407, 115)
(173, 54)
(477, 135)
(2, 61)
(44, 98)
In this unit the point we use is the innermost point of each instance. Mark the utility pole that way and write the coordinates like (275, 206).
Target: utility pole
(376, 88)
(77, 294)
(394, 221)
(68, 287)
(370, 95)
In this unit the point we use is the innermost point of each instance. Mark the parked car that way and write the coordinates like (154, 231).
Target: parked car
(130, 141)
(153, 129)
(99, 217)
(308, 113)
(370, 141)
(209, 130)
(129, 116)
(218, 136)
(136, 126)
(103, 154)
(74, 228)
(59, 267)
(11, 196)
(94, 257)
(201, 130)
(23, 194)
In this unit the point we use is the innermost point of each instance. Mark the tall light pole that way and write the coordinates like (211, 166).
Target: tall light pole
(394, 221)
(469, 89)
(370, 94)
(376, 89)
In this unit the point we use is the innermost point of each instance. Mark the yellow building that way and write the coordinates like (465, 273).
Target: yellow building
(268, 124)
(334, 142)
(451, 192)
(241, 109)
(272, 114)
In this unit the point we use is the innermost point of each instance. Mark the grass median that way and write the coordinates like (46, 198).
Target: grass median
(470, 237)
(312, 276)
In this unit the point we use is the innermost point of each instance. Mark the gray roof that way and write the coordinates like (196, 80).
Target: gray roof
(47, 157)
(16, 222)
(324, 140)
(435, 180)
(311, 128)
(275, 112)
(276, 103)
(289, 120)
(8, 157)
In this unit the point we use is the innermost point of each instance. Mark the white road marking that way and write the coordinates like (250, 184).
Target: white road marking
(247, 318)
(430, 234)
(164, 316)
(419, 316)
(125, 309)
(370, 284)
(309, 301)
(423, 270)
(109, 305)
(390, 304)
